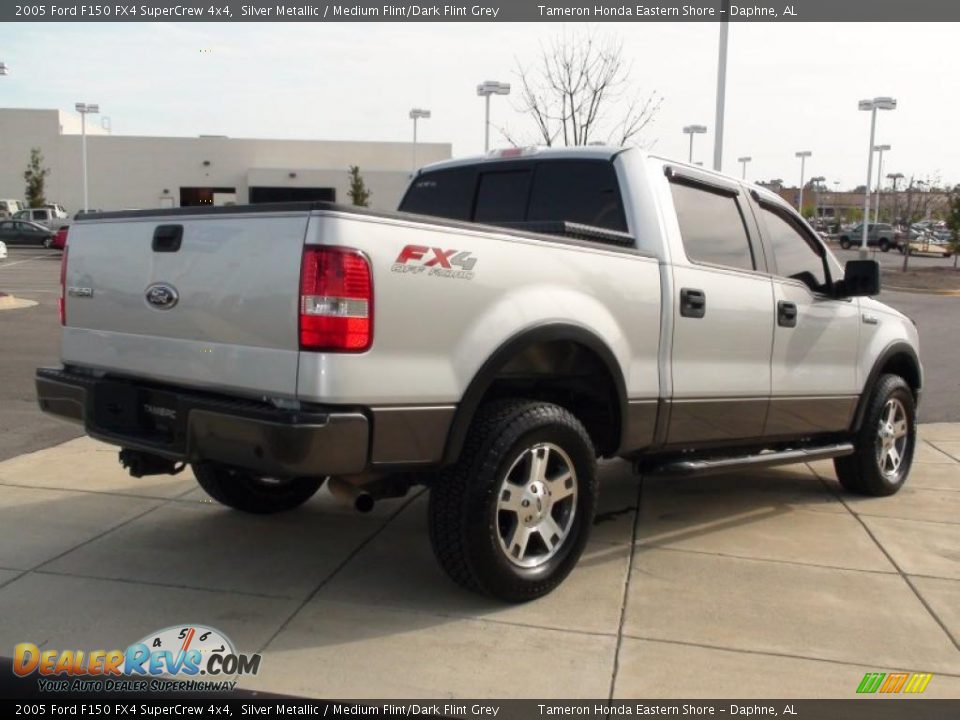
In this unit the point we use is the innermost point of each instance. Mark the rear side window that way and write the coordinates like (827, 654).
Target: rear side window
(502, 196)
(578, 191)
(712, 227)
(444, 193)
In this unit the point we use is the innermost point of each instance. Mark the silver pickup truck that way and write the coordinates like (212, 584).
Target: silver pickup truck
(524, 314)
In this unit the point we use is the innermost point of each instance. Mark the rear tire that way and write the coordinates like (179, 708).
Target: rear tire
(512, 517)
(885, 443)
(845, 243)
(242, 490)
(884, 245)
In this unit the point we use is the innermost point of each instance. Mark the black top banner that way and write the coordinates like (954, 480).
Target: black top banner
(854, 11)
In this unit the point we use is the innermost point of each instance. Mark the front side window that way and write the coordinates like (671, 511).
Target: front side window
(796, 255)
(712, 227)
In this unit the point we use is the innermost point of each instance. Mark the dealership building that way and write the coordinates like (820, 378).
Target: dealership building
(128, 171)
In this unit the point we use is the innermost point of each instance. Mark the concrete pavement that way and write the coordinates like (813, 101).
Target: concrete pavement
(763, 584)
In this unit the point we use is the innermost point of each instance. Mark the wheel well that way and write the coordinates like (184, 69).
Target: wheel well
(567, 366)
(903, 365)
(570, 375)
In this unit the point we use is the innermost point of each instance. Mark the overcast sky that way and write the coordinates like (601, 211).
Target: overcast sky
(790, 86)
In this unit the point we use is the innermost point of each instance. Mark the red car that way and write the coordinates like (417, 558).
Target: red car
(59, 240)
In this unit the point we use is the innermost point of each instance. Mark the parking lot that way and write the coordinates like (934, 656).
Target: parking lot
(760, 584)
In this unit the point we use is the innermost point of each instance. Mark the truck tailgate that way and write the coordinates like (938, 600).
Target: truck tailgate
(219, 312)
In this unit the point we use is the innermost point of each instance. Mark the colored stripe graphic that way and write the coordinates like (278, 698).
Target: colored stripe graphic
(870, 682)
(894, 682)
(918, 683)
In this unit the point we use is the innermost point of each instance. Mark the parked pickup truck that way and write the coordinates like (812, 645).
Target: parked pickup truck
(523, 315)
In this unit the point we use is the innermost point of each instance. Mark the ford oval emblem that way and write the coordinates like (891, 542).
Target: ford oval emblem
(162, 296)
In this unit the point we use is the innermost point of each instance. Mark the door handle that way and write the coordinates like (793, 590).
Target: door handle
(786, 314)
(693, 303)
(167, 238)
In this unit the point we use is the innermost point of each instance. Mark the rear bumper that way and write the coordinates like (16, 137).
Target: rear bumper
(191, 426)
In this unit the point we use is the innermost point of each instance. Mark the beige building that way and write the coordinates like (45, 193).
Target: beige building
(126, 171)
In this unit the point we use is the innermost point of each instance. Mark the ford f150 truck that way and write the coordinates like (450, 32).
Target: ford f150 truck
(524, 314)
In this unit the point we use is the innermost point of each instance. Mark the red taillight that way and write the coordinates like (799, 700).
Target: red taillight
(336, 300)
(62, 306)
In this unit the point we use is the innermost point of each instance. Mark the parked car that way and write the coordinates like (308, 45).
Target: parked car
(927, 244)
(526, 313)
(22, 232)
(880, 235)
(3, 250)
(50, 217)
(59, 239)
(9, 207)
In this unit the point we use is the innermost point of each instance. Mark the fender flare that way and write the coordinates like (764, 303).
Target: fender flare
(898, 347)
(512, 347)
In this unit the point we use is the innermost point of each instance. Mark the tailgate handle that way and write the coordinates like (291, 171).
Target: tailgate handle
(167, 238)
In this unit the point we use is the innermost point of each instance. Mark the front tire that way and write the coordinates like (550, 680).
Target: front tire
(884, 245)
(512, 517)
(845, 243)
(242, 490)
(884, 446)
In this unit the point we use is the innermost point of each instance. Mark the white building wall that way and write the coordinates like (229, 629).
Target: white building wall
(133, 172)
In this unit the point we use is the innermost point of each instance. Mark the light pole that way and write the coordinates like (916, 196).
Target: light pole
(417, 114)
(85, 109)
(815, 182)
(896, 200)
(692, 130)
(880, 150)
(743, 163)
(485, 90)
(803, 155)
(721, 87)
(878, 103)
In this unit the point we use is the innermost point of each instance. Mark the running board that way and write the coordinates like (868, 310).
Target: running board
(759, 460)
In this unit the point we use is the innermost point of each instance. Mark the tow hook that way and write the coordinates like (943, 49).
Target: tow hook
(139, 464)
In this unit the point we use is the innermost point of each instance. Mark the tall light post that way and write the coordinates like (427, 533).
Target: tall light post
(485, 90)
(85, 109)
(803, 155)
(417, 114)
(815, 181)
(880, 150)
(878, 103)
(896, 200)
(721, 86)
(743, 163)
(692, 130)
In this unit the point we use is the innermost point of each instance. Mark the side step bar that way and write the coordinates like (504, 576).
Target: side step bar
(759, 460)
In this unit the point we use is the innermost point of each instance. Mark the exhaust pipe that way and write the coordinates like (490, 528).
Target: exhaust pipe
(348, 494)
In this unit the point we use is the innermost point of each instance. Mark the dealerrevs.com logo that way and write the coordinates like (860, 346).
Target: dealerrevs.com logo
(178, 658)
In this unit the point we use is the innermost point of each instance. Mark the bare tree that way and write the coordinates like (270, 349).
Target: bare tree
(917, 199)
(580, 92)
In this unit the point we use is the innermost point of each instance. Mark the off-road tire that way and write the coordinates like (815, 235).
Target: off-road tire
(463, 508)
(860, 472)
(250, 493)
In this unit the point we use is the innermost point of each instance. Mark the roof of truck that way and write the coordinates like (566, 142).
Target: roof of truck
(593, 152)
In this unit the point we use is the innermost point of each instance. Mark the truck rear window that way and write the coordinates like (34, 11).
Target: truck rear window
(580, 191)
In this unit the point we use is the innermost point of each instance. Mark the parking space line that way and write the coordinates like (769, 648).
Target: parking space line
(4, 266)
(625, 598)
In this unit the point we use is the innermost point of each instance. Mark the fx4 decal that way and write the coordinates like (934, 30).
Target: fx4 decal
(419, 259)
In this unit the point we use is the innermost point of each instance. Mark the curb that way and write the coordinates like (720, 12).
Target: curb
(921, 291)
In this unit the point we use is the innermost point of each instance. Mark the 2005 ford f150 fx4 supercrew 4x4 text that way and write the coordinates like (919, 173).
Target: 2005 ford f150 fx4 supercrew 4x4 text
(524, 314)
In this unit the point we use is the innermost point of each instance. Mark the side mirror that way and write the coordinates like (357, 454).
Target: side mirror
(860, 277)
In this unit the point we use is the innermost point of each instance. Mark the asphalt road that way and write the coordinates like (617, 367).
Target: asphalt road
(30, 337)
